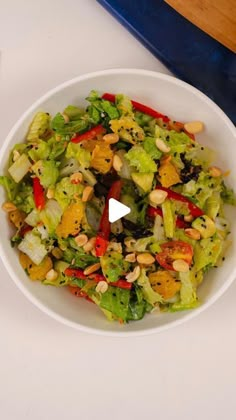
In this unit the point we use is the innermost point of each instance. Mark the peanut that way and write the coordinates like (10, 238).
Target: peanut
(51, 275)
(145, 258)
(160, 144)
(92, 268)
(89, 245)
(194, 127)
(87, 193)
(81, 239)
(157, 196)
(101, 287)
(8, 206)
(193, 233)
(181, 266)
(215, 172)
(111, 138)
(130, 257)
(134, 275)
(76, 178)
(117, 163)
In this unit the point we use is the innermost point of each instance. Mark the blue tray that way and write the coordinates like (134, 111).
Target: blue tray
(187, 51)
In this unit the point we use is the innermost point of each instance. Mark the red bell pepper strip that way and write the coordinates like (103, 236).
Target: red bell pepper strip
(77, 272)
(178, 126)
(153, 212)
(194, 210)
(139, 107)
(89, 135)
(38, 191)
(123, 284)
(102, 238)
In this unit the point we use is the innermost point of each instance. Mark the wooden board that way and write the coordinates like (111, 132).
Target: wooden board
(215, 17)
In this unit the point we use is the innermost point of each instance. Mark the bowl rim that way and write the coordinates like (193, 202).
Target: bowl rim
(3, 254)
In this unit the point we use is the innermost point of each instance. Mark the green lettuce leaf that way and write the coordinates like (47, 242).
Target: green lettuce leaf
(79, 258)
(59, 125)
(207, 251)
(149, 145)
(82, 155)
(51, 215)
(47, 171)
(113, 266)
(202, 189)
(116, 301)
(228, 195)
(24, 199)
(140, 159)
(188, 296)
(149, 294)
(73, 112)
(10, 187)
(138, 306)
(38, 127)
(65, 191)
(39, 151)
(32, 246)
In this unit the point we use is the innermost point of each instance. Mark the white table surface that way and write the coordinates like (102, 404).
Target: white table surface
(47, 370)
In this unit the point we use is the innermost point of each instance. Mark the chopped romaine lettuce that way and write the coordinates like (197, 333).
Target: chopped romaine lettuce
(51, 215)
(32, 246)
(113, 265)
(138, 306)
(38, 127)
(65, 191)
(39, 151)
(116, 301)
(20, 168)
(149, 145)
(59, 125)
(149, 294)
(47, 171)
(82, 155)
(176, 141)
(124, 105)
(140, 159)
(188, 296)
(168, 218)
(143, 181)
(79, 258)
(228, 195)
(207, 252)
(127, 129)
(202, 189)
(33, 218)
(10, 187)
(24, 199)
(73, 112)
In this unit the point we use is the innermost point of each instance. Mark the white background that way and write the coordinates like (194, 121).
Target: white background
(47, 370)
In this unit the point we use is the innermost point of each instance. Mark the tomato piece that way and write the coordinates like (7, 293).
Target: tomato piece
(174, 250)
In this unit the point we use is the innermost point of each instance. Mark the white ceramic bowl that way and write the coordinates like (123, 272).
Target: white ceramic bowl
(181, 102)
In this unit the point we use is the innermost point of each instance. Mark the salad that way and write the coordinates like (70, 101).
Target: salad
(58, 186)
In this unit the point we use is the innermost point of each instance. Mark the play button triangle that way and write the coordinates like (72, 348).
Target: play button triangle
(116, 210)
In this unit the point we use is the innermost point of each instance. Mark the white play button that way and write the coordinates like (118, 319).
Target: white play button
(116, 210)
